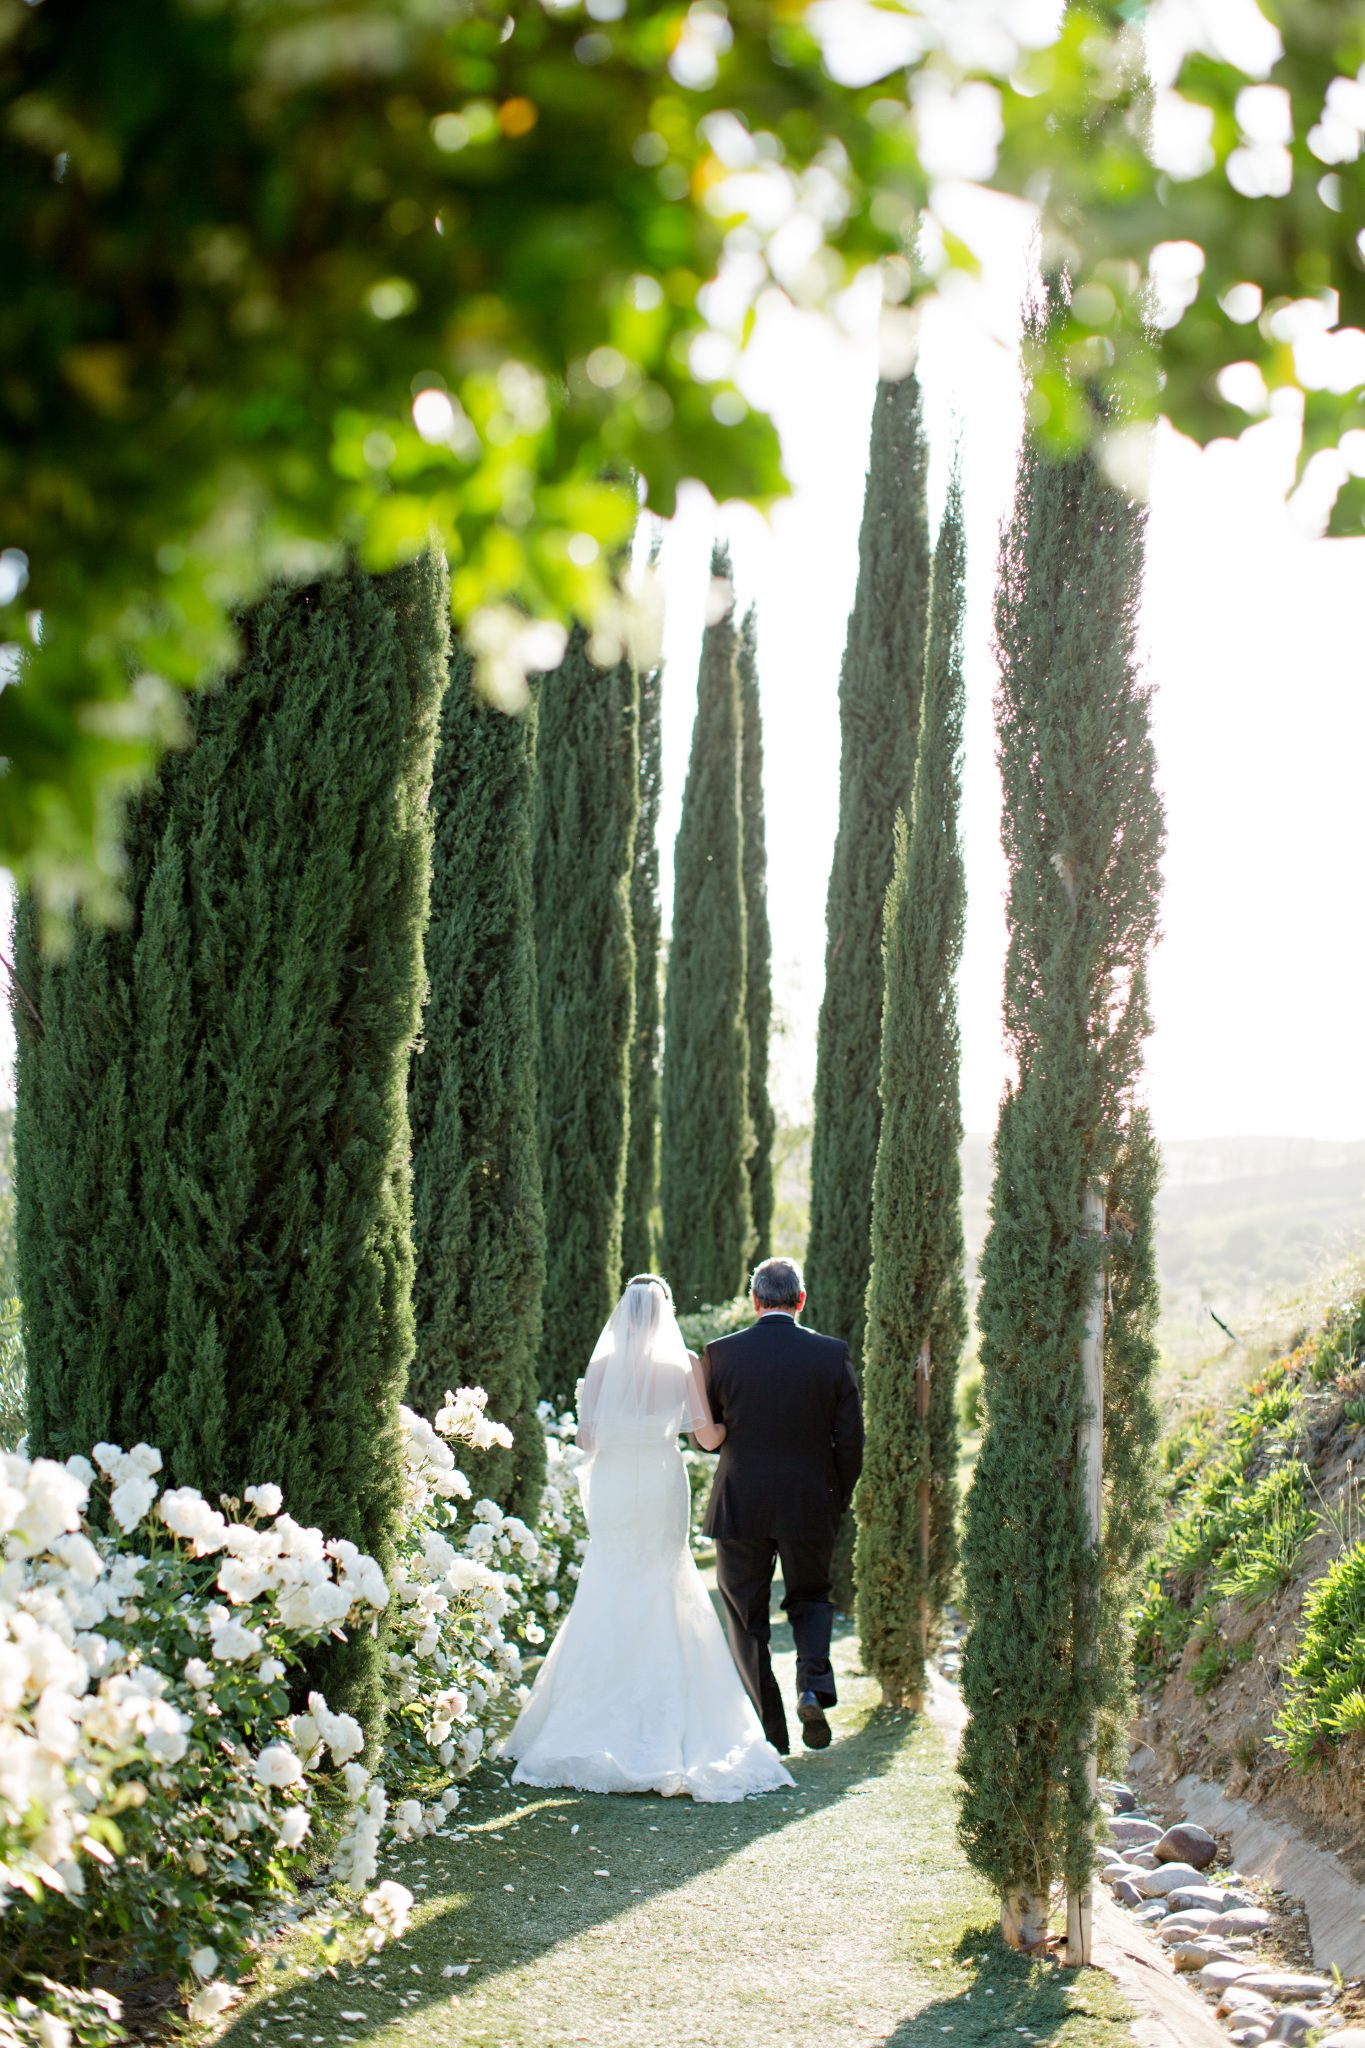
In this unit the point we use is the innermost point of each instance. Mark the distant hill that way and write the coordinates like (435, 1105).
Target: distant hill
(1241, 1224)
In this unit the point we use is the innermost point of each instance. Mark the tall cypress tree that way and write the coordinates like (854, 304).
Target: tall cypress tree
(879, 705)
(214, 1202)
(477, 1221)
(587, 800)
(758, 940)
(1065, 1382)
(916, 1300)
(642, 1159)
(706, 1141)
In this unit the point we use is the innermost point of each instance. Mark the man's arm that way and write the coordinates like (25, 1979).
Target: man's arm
(848, 1432)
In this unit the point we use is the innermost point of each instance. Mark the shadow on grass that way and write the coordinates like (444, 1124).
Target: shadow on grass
(542, 1867)
(1006, 1997)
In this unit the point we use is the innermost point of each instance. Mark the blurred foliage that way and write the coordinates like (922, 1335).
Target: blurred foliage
(283, 276)
(8, 1270)
(13, 1375)
(288, 276)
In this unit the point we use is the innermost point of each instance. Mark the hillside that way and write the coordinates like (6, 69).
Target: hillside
(1250, 1637)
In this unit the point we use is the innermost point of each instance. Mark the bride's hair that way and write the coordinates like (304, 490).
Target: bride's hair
(652, 1280)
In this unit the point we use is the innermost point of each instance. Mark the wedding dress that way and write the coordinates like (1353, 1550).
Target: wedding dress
(638, 1692)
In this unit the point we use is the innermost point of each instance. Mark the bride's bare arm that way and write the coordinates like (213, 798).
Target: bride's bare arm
(709, 1434)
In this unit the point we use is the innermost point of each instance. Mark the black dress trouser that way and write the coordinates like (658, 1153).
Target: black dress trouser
(744, 1576)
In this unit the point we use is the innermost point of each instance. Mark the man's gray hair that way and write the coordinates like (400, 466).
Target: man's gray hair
(777, 1283)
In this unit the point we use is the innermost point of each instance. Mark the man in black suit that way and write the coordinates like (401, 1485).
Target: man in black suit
(792, 1453)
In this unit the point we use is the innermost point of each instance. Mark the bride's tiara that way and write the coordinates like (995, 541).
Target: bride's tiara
(652, 1280)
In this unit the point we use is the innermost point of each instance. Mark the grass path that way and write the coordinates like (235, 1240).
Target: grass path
(840, 1913)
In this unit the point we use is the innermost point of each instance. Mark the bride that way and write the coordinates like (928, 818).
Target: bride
(638, 1692)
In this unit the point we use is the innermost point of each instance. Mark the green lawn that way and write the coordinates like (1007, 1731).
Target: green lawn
(841, 1912)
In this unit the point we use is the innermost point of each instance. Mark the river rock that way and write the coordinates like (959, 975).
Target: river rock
(1236, 2004)
(1145, 1859)
(1177, 1925)
(1152, 1913)
(1122, 1797)
(1285, 1986)
(1217, 1977)
(1126, 1893)
(1293, 2023)
(1217, 1897)
(1250, 2035)
(1168, 1878)
(1241, 1920)
(1131, 1833)
(1345, 2037)
(1187, 1843)
(1190, 1954)
(1115, 1872)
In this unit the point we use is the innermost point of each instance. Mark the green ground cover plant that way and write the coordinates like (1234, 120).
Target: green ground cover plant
(1245, 1505)
(1325, 1683)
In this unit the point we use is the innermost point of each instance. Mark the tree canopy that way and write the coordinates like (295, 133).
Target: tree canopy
(281, 279)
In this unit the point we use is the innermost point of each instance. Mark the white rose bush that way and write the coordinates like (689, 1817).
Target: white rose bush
(165, 1776)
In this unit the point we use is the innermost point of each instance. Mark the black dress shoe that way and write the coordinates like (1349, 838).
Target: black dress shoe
(814, 1726)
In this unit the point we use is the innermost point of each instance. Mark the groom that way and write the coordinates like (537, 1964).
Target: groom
(792, 1452)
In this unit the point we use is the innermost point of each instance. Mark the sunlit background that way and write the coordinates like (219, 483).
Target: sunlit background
(1251, 639)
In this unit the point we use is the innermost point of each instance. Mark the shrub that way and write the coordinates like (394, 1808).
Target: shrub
(1325, 1681)
(1269, 1531)
(969, 1410)
(156, 1790)
(717, 1320)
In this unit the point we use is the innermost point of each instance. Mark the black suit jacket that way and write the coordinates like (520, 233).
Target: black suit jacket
(794, 1443)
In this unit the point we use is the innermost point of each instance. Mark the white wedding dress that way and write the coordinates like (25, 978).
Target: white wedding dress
(639, 1692)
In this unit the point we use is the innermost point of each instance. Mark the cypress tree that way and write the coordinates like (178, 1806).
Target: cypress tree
(642, 1158)
(706, 1140)
(879, 704)
(1062, 1500)
(215, 1215)
(916, 1300)
(477, 1221)
(587, 798)
(758, 941)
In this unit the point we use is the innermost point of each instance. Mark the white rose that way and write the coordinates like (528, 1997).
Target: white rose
(186, 1513)
(53, 2032)
(203, 1962)
(53, 1501)
(242, 1580)
(198, 1674)
(144, 1459)
(277, 1766)
(389, 1905)
(80, 1557)
(407, 1819)
(294, 1827)
(267, 1500)
(233, 1644)
(207, 2003)
(270, 1669)
(130, 1500)
(355, 1778)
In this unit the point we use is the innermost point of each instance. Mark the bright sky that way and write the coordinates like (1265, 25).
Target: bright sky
(1252, 635)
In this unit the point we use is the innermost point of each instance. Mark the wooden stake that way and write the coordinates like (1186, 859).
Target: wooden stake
(1090, 1464)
